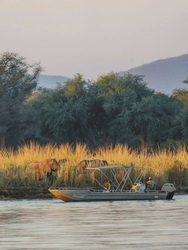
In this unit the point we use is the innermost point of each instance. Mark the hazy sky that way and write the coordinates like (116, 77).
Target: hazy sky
(93, 37)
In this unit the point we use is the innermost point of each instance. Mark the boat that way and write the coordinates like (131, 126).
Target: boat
(116, 190)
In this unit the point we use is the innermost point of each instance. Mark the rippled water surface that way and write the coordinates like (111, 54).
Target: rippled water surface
(53, 224)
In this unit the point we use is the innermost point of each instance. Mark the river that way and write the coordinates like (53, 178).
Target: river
(54, 224)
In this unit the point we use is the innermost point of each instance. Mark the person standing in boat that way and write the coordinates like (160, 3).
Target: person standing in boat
(150, 184)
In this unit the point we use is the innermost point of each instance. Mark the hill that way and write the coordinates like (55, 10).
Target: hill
(163, 75)
(50, 81)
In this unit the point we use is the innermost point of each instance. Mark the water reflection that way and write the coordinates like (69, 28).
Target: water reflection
(53, 224)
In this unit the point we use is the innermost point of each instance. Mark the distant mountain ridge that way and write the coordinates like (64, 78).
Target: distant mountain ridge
(50, 81)
(163, 75)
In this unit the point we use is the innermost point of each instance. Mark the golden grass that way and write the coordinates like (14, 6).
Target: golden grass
(164, 165)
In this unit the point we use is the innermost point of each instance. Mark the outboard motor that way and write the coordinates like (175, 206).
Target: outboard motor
(170, 189)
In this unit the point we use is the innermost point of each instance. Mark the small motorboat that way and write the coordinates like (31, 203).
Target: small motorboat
(116, 190)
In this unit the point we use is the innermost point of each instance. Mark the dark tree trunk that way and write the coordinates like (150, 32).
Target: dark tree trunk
(2, 145)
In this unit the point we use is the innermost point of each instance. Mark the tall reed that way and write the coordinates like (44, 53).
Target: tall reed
(163, 164)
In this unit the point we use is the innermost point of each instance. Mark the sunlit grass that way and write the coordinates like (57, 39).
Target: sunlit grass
(165, 165)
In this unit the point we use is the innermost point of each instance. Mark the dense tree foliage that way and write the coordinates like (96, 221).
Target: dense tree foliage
(182, 95)
(113, 109)
(17, 80)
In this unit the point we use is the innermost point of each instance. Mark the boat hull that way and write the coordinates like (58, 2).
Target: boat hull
(89, 195)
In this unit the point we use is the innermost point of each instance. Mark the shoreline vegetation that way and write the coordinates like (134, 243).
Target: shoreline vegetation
(164, 165)
(114, 116)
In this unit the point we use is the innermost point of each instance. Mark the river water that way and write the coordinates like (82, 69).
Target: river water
(54, 224)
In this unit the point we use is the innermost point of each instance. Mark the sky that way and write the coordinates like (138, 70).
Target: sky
(93, 37)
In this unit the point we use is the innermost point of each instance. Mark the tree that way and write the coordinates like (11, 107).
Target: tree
(62, 112)
(182, 95)
(112, 109)
(76, 86)
(155, 118)
(118, 96)
(17, 80)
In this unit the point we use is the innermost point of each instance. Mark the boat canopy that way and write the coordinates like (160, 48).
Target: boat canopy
(110, 167)
(119, 185)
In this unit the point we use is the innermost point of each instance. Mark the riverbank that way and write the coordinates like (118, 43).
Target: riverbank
(43, 193)
(25, 193)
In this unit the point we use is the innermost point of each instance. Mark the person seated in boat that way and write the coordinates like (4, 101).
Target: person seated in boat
(150, 184)
(107, 185)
